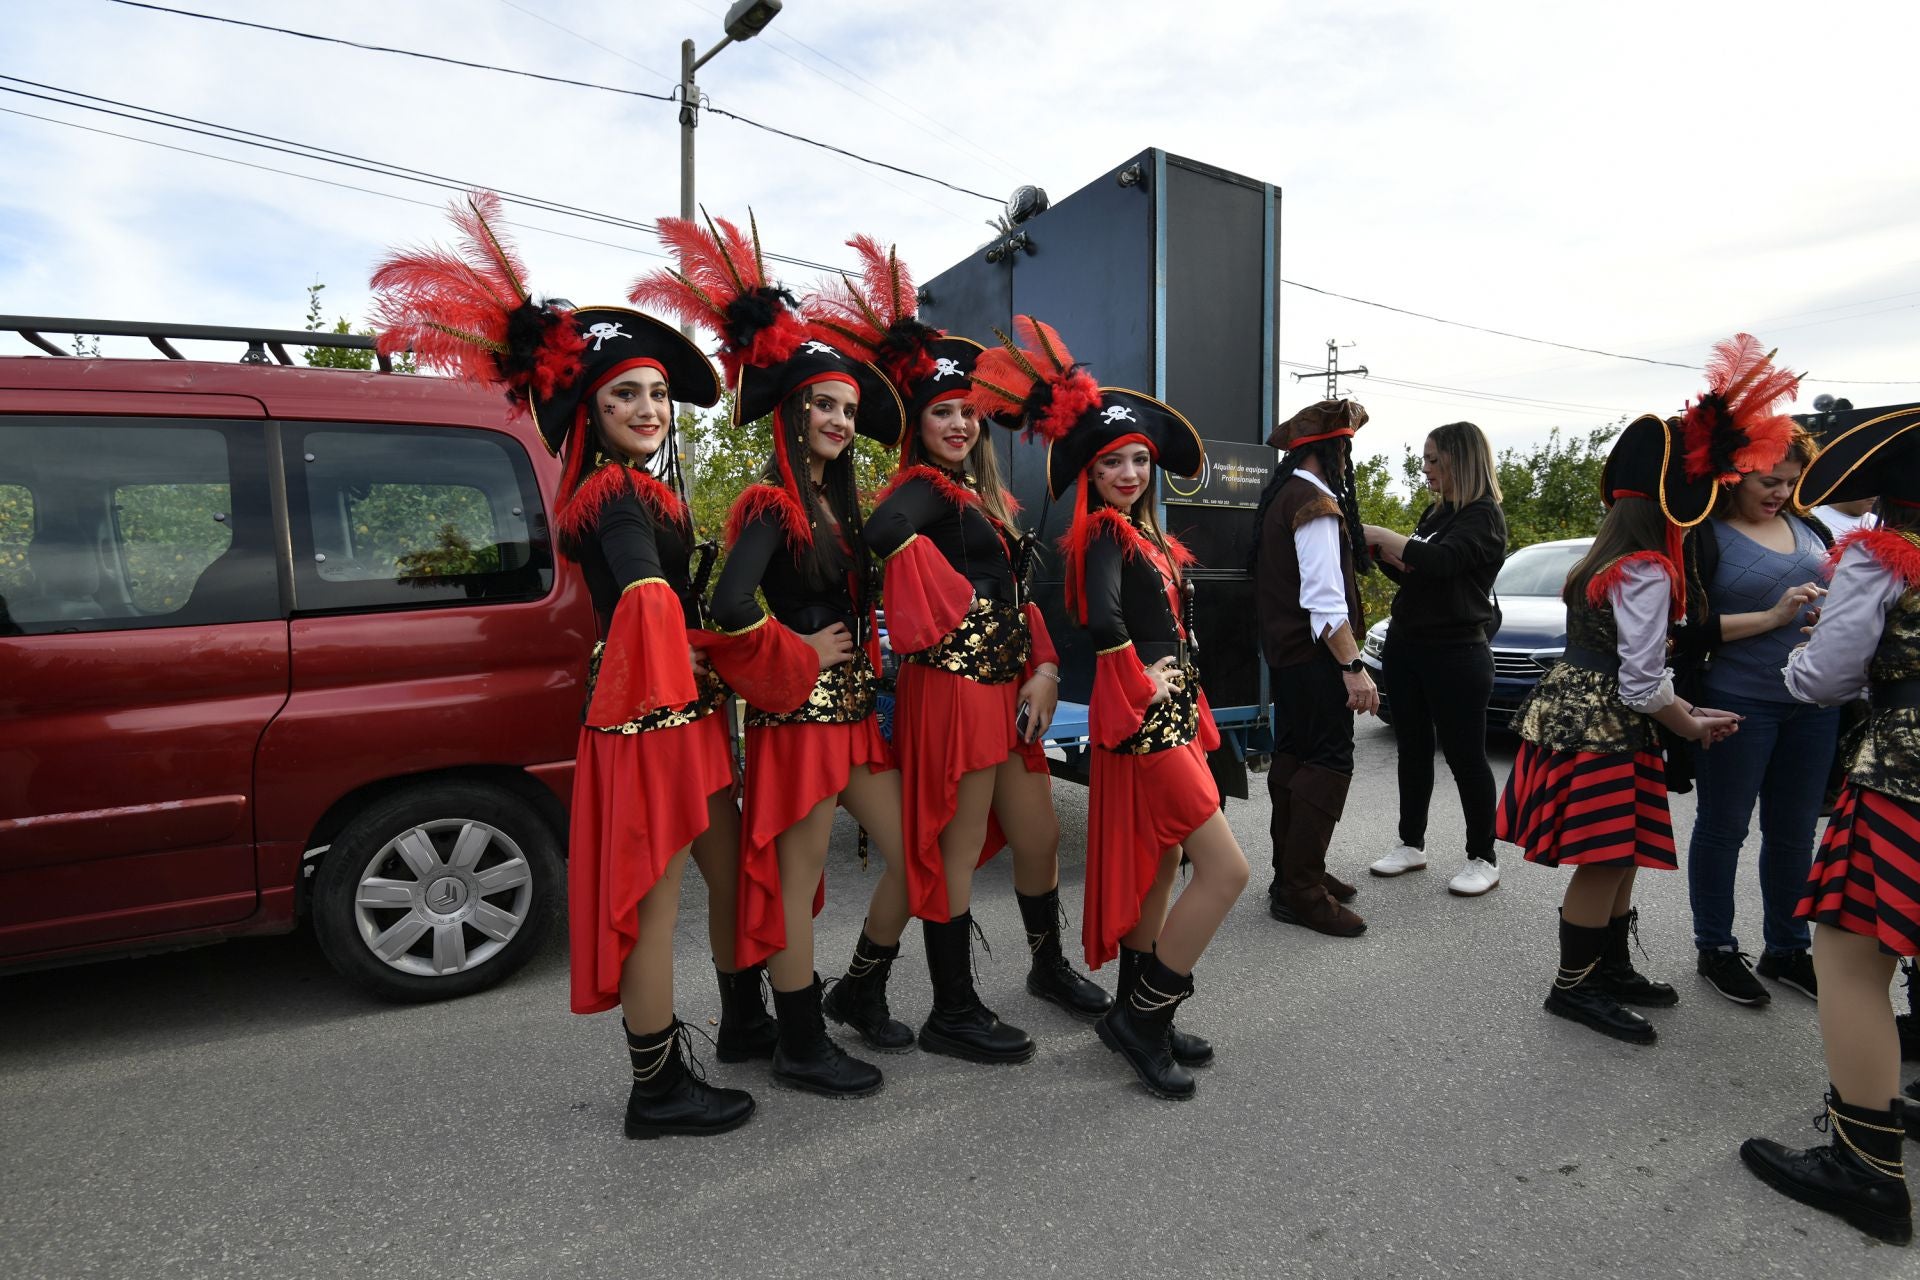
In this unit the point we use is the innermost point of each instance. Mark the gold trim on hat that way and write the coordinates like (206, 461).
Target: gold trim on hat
(1912, 411)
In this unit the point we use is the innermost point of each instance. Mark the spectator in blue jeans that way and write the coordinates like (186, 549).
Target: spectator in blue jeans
(1759, 563)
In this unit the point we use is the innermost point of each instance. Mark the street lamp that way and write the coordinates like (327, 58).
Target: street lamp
(745, 20)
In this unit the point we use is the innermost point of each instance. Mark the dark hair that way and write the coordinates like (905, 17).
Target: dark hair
(1897, 515)
(1634, 524)
(1800, 448)
(1335, 458)
(825, 559)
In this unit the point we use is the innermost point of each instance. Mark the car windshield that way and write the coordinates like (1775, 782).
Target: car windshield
(1538, 570)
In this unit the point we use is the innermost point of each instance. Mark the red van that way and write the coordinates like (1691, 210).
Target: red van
(279, 641)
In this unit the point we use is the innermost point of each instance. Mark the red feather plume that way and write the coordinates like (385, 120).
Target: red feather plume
(876, 319)
(1734, 428)
(720, 283)
(1033, 381)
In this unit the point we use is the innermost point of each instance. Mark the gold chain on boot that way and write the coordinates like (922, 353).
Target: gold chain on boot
(1151, 1006)
(861, 964)
(1563, 982)
(1885, 1168)
(660, 1060)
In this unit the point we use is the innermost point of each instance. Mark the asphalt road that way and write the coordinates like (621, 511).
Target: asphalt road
(1396, 1105)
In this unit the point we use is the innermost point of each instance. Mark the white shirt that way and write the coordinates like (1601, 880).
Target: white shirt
(1641, 602)
(1831, 667)
(1323, 592)
(1843, 524)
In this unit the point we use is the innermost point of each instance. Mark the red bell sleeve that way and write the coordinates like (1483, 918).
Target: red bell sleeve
(1121, 692)
(926, 597)
(1041, 641)
(645, 665)
(767, 663)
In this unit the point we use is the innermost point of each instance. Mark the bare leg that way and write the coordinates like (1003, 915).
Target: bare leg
(1219, 876)
(646, 979)
(1856, 1023)
(716, 851)
(1591, 893)
(1153, 908)
(1023, 801)
(874, 801)
(966, 831)
(803, 854)
(1623, 896)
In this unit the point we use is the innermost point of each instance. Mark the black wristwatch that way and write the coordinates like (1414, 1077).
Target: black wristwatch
(1355, 667)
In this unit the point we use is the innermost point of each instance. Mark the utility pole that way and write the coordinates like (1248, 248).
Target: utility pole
(1334, 372)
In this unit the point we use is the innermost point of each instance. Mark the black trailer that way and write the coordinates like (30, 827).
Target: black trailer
(1163, 276)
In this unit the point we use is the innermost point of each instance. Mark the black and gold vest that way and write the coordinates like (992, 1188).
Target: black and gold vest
(1885, 756)
(1578, 708)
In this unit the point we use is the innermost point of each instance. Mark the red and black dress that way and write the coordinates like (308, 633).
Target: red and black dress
(808, 728)
(651, 749)
(1866, 878)
(967, 646)
(1588, 786)
(1151, 787)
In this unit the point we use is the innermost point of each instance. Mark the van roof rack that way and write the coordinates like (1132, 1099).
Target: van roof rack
(259, 341)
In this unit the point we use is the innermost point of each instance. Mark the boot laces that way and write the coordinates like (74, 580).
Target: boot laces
(979, 935)
(681, 1038)
(1633, 931)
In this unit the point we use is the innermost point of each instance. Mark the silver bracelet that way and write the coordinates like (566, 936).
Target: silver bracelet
(1051, 675)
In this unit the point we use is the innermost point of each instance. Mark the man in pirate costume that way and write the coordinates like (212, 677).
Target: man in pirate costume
(975, 654)
(1308, 542)
(654, 770)
(1864, 890)
(1152, 796)
(1589, 784)
(794, 537)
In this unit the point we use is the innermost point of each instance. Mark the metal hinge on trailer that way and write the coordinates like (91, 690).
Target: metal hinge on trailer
(259, 341)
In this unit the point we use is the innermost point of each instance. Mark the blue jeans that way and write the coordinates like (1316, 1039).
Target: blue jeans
(1780, 757)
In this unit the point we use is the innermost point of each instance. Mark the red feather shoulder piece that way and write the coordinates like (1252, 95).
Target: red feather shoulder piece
(1896, 551)
(945, 485)
(1109, 523)
(609, 484)
(1603, 582)
(765, 500)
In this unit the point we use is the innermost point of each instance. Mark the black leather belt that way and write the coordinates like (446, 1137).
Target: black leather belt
(1605, 661)
(1895, 695)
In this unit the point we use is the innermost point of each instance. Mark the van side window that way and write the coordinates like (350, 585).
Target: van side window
(398, 517)
(127, 523)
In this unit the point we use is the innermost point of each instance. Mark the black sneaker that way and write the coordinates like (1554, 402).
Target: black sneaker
(1732, 977)
(1791, 969)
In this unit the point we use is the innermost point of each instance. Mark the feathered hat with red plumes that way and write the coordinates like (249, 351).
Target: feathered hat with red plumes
(1032, 381)
(468, 311)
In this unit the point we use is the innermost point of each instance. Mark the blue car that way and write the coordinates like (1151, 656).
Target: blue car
(1533, 626)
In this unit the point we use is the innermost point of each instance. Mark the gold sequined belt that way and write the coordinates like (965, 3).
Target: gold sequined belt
(1169, 724)
(843, 694)
(990, 646)
(712, 693)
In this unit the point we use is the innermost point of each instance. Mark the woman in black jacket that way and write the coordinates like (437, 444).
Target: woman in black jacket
(1438, 666)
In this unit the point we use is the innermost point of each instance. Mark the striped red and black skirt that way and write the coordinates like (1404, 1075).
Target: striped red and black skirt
(1585, 809)
(1866, 878)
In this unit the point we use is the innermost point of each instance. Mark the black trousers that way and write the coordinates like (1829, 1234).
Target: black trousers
(1442, 694)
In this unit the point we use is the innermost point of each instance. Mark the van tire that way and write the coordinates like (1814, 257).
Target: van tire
(457, 881)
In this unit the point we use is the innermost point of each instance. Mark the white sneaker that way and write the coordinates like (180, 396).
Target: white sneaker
(1403, 858)
(1474, 879)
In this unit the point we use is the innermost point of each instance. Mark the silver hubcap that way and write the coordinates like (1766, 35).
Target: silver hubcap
(443, 897)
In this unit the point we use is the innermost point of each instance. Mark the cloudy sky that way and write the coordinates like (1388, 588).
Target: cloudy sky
(1640, 178)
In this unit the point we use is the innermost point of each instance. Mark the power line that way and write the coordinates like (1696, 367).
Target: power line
(565, 80)
(540, 17)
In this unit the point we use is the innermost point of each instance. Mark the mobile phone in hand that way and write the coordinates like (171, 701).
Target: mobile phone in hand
(1021, 721)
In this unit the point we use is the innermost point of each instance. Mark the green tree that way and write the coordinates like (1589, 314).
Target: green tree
(341, 357)
(729, 458)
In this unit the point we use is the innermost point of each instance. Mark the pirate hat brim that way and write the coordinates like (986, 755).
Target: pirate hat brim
(942, 385)
(880, 417)
(1645, 462)
(623, 338)
(1175, 444)
(1878, 458)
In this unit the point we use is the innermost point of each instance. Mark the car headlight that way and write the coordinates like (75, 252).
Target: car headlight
(1376, 642)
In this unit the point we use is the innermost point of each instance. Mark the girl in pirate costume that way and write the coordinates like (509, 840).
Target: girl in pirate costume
(805, 665)
(654, 775)
(1864, 890)
(971, 762)
(1152, 796)
(1588, 788)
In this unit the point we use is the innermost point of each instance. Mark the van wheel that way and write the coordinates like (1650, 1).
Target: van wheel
(438, 891)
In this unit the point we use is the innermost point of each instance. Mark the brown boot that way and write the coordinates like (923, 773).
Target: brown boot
(1339, 889)
(1320, 913)
(1302, 893)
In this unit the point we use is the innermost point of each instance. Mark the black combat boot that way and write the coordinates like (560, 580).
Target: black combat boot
(1616, 975)
(747, 1030)
(1051, 977)
(1137, 1025)
(807, 1058)
(1909, 1022)
(859, 1000)
(1576, 994)
(1911, 1104)
(1859, 1175)
(1188, 1050)
(670, 1095)
(959, 1025)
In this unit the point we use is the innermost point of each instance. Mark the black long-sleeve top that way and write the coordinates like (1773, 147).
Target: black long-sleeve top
(1452, 558)
(1127, 602)
(971, 543)
(762, 558)
(628, 545)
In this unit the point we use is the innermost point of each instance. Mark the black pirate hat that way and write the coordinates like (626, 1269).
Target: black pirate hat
(880, 416)
(1122, 417)
(1880, 458)
(1645, 463)
(615, 340)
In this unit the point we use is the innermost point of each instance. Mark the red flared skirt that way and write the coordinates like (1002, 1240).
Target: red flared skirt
(947, 726)
(638, 799)
(1139, 807)
(1582, 808)
(1866, 878)
(790, 769)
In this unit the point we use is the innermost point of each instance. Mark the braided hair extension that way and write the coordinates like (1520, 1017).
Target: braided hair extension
(1336, 460)
(1349, 500)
